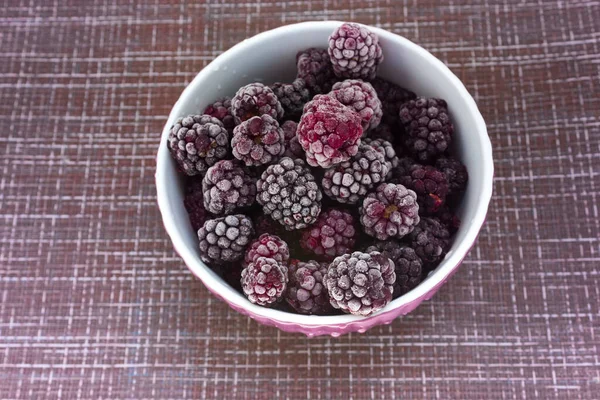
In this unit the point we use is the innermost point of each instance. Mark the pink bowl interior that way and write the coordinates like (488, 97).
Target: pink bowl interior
(270, 57)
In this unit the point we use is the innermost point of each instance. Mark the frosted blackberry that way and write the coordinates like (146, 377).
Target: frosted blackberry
(428, 182)
(314, 67)
(362, 98)
(254, 100)
(292, 145)
(408, 265)
(264, 281)
(430, 239)
(428, 127)
(221, 110)
(306, 291)
(258, 141)
(332, 235)
(391, 211)
(360, 283)
(455, 172)
(392, 97)
(328, 131)
(387, 150)
(269, 246)
(224, 239)
(289, 194)
(349, 181)
(355, 52)
(228, 186)
(292, 97)
(196, 142)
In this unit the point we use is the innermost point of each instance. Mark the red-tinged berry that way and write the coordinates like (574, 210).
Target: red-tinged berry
(264, 281)
(258, 141)
(221, 110)
(292, 96)
(355, 52)
(270, 246)
(430, 239)
(329, 132)
(332, 235)
(314, 67)
(227, 186)
(255, 100)
(392, 97)
(391, 211)
(224, 239)
(289, 194)
(408, 265)
(429, 183)
(349, 181)
(362, 98)
(194, 203)
(360, 283)
(428, 127)
(455, 172)
(306, 291)
(196, 142)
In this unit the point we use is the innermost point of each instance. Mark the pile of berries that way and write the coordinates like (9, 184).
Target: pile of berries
(332, 193)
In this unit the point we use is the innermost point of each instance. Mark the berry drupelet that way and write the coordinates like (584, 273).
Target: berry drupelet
(270, 246)
(329, 132)
(196, 142)
(289, 194)
(221, 110)
(360, 283)
(408, 266)
(292, 97)
(391, 211)
(430, 239)
(429, 183)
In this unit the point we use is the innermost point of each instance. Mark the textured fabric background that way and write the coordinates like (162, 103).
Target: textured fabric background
(94, 302)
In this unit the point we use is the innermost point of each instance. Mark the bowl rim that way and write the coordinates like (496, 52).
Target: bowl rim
(223, 290)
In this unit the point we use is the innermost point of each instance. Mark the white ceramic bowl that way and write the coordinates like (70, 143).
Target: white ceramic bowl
(270, 57)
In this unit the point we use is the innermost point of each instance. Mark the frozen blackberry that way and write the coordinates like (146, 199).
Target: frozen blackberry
(292, 97)
(194, 204)
(254, 100)
(455, 172)
(289, 194)
(355, 52)
(392, 97)
(408, 265)
(269, 246)
(389, 212)
(362, 98)
(329, 132)
(228, 186)
(428, 127)
(306, 291)
(360, 283)
(314, 67)
(349, 181)
(428, 182)
(387, 150)
(292, 145)
(196, 142)
(221, 110)
(332, 235)
(264, 281)
(448, 218)
(224, 239)
(430, 239)
(258, 141)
